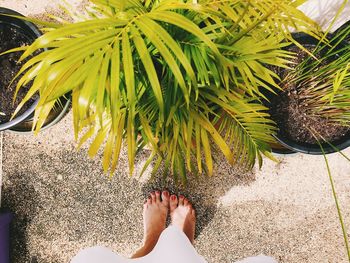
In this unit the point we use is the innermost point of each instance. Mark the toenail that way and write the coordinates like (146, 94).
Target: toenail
(165, 193)
(173, 197)
(157, 192)
(181, 197)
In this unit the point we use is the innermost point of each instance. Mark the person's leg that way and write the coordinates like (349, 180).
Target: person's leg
(155, 212)
(183, 215)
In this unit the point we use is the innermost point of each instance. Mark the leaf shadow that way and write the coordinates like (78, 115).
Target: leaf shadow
(19, 197)
(203, 192)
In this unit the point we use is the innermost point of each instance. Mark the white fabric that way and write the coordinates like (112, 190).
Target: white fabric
(258, 259)
(173, 247)
(323, 12)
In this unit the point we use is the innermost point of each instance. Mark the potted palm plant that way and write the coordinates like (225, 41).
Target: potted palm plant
(314, 105)
(14, 32)
(17, 33)
(176, 75)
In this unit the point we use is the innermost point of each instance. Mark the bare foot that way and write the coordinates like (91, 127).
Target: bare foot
(155, 212)
(183, 215)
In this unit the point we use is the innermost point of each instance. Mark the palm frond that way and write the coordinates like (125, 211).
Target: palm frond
(166, 73)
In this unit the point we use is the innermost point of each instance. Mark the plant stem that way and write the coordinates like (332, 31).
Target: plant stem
(337, 204)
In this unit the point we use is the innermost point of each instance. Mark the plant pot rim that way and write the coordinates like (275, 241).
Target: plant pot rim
(32, 31)
(339, 29)
(284, 150)
(314, 148)
(66, 106)
(308, 148)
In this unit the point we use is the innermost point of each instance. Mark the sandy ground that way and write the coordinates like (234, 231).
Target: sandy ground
(64, 203)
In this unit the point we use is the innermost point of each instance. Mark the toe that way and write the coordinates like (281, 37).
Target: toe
(186, 202)
(181, 199)
(165, 198)
(173, 202)
(153, 197)
(157, 196)
(149, 201)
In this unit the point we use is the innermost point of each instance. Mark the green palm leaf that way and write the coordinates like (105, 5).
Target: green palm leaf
(181, 76)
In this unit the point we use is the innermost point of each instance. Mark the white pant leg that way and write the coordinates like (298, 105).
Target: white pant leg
(173, 246)
(98, 255)
(258, 259)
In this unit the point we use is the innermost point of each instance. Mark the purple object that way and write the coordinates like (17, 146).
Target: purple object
(5, 220)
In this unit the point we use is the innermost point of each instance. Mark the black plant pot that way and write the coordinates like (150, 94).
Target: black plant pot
(278, 148)
(30, 31)
(24, 121)
(307, 148)
(60, 110)
(340, 29)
